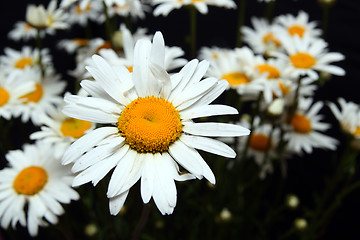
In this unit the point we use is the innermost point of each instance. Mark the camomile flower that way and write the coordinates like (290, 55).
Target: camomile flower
(12, 87)
(306, 56)
(72, 45)
(51, 19)
(261, 38)
(45, 96)
(232, 66)
(305, 129)
(60, 131)
(151, 127)
(133, 8)
(33, 187)
(297, 25)
(348, 116)
(262, 144)
(27, 57)
(211, 53)
(22, 31)
(79, 14)
(164, 7)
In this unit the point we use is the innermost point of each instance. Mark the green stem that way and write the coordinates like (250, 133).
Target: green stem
(269, 10)
(143, 220)
(107, 24)
(39, 47)
(193, 23)
(241, 20)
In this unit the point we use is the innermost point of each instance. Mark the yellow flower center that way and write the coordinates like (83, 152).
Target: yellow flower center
(301, 123)
(150, 124)
(78, 9)
(356, 132)
(30, 180)
(23, 62)
(4, 96)
(75, 128)
(302, 60)
(284, 89)
(27, 27)
(236, 78)
(270, 39)
(270, 70)
(259, 141)
(81, 41)
(296, 30)
(35, 95)
(130, 68)
(105, 45)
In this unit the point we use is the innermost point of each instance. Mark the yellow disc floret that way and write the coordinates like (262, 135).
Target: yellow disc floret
(270, 39)
(236, 78)
(296, 30)
(72, 127)
(30, 180)
(23, 62)
(259, 141)
(35, 95)
(4, 96)
(302, 60)
(301, 123)
(272, 72)
(150, 124)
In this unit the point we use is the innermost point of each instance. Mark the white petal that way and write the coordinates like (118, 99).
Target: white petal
(206, 111)
(147, 178)
(215, 129)
(116, 203)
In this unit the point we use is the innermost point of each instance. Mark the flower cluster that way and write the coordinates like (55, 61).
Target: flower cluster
(134, 110)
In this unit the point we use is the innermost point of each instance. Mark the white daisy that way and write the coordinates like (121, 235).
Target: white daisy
(60, 131)
(33, 187)
(348, 116)
(79, 14)
(22, 31)
(231, 65)
(27, 57)
(164, 7)
(71, 45)
(261, 38)
(133, 8)
(306, 56)
(50, 19)
(12, 87)
(304, 130)
(297, 25)
(45, 96)
(151, 129)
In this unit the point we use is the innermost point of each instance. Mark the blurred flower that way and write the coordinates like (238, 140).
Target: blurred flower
(133, 8)
(164, 7)
(292, 201)
(135, 101)
(33, 187)
(304, 127)
(79, 14)
(22, 31)
(300, 223)
(306, 56)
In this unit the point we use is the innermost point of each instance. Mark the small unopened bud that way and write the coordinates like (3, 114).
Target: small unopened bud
(300, 223)
(276, 108)
(91, 230)
(36, 16)
(292, 201)
(117, 40)
(225, 215)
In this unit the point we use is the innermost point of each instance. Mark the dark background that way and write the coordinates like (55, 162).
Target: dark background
(218, 28)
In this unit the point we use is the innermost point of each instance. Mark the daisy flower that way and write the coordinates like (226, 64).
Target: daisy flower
(80, 14)
(151, 128)
(22, 31)
(133, 8)
(261, 38)
(232, 66)
(60, 131)
(27, 57)
(164, 7)
(348, 116)
(297, 25)
(45, 96)
(50, 19)
(33, 187)
(71, 45)
(304, 130)
(306, 56)
(12, 87)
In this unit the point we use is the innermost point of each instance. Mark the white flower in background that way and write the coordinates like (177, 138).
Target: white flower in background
(72, 45)
(151, 128)
(164, 7)
(297, 25)
(12, 87)
(27, 57)
(45, 96)
(307, 56)
(348, 116)
(211, 53)
(261, 38)
(23, 31)
(305, 127)
(133, 8)
(80, 14)
(50, 19)
(33, 187)
(232, 66)
(59, 130)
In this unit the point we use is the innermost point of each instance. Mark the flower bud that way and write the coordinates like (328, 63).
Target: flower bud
(292, 201)
(36, 16)
(300, 224)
